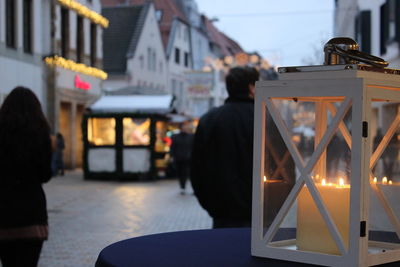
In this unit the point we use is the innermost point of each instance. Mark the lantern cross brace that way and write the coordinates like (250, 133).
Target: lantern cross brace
(385, 141)
(305, 171)
(374, 159)
(280, 168)
(342, 126)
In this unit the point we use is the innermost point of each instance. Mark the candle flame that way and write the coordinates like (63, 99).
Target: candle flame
(323, 182)
(265, 178)
(390, 182)
(341, 182)
(384, 180)
(330, 184)
(375, 180)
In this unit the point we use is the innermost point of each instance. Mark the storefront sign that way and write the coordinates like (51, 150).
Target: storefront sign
(81, 84)
(199, 83)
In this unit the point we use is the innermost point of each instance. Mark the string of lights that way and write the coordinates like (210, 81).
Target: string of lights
(84, 11)
(78, 67)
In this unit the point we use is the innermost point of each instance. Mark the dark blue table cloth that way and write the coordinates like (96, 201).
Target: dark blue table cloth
(215, 247)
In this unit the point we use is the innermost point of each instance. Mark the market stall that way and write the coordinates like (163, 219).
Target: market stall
(124, 137)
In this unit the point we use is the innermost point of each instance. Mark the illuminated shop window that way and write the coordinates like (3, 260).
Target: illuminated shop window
(136, 132)
(101, 131)
(162, 144)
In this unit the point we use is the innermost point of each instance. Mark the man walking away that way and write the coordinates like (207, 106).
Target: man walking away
(181, 149)
(222, 158)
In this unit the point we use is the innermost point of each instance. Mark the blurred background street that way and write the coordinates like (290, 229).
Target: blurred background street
(91, 215)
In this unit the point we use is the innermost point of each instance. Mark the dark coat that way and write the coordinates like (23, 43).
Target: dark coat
(22, 199)
(181, 147)
(222, 160)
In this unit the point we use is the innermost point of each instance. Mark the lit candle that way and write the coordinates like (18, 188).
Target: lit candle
(375, 180)
(390, 182)
(384, 180)
(312, 232)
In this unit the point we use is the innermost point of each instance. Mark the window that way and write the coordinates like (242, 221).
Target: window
(64, 32)
(93, 44)
(10, 24)
(392, 19)
(27, 24)
(363, 30)
(185, 34)
(177, 55)
(154, 59)
(173, 86)
(159, 14)
(136, 131)
(141, 61)
(79, 40)
(101, 131)
(186, 59)
(148, 58)
(161, 133)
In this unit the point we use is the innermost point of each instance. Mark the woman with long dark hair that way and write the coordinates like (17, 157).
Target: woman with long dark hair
(25, 163)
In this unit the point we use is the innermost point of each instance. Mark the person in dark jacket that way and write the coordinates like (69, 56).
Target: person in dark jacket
(181, 149)
(59, 159)
(25, 163)
(222, 157)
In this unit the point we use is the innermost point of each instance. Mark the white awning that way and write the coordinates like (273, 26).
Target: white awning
(133, 104)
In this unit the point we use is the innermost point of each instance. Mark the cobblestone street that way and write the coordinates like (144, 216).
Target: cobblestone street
(86, 216)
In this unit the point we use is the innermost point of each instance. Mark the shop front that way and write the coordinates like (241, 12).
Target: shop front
(74, 92)
(125, 137)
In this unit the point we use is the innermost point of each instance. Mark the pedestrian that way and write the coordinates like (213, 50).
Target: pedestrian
(59, 159)
(181, 150)
(222, 158)
(25, 163)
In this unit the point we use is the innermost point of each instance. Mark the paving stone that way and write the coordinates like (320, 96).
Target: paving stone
(86, 216)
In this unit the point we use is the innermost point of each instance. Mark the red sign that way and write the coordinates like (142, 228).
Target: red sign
(81, 84)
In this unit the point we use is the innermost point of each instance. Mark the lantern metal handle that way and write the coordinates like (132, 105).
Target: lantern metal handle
(345, 49)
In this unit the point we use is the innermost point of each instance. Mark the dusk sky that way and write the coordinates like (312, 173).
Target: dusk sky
(285, 32)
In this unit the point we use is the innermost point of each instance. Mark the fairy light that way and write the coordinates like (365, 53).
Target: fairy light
(78, 67)
(86, 12)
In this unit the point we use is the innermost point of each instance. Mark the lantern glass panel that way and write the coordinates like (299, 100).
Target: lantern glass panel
(384, 211)
(299, 126)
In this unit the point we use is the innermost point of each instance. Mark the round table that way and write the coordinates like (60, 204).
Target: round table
(214, 247)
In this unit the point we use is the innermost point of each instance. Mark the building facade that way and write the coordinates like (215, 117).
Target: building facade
(134, 55)
(375, 25)
(74, 75)
(24, 31)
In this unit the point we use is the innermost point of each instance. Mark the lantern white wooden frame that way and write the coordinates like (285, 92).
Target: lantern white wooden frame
(356, 89)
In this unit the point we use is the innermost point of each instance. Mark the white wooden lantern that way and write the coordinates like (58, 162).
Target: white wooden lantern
(323, 189)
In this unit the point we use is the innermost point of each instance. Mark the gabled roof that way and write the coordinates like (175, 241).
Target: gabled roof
(227, 46)
(122, 36)
(170, 12)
